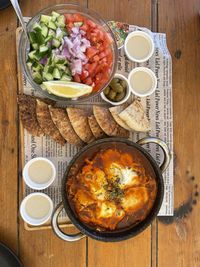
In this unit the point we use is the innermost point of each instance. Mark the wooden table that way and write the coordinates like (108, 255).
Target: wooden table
(171, 242)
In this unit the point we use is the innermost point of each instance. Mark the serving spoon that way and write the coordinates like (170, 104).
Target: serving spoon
(17, 9)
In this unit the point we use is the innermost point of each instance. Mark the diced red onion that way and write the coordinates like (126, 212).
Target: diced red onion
(44, 60)
(75, 30)
(82, 32)
(76, 66)
(73, 48)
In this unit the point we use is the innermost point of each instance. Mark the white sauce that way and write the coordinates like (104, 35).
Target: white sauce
(40, 171)
(127, 176)
(141, 82)
(37, 207)
(138, 47)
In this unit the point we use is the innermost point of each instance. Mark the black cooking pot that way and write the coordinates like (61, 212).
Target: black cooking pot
(77, 163)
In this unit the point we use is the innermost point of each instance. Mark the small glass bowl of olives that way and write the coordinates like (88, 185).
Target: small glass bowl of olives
(118, 91)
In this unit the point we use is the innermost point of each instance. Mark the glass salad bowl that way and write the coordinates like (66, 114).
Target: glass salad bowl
(25, 46)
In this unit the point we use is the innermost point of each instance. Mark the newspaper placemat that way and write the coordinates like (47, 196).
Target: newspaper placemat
(159, 111)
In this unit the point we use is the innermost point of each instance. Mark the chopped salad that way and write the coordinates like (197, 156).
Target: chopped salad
(72, 48)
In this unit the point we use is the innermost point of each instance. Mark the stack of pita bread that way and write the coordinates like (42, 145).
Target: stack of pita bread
(76, 126)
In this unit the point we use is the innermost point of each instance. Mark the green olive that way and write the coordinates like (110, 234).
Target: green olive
(120, 96)
(111, 95)
(107, 90)
(116, 80)
(113, 82)
(123, 83)
(118, 88)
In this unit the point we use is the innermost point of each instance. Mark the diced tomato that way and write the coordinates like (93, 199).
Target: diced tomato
(70, 25)
(96, 58)
(84, 27)
(78, 18)
(102, 55)
(91, 23)
(99, 76)
(68, 17)
(108, 38)
(91, 51)
(84, 74)
(77, 78)
(101, 35)
(86, 67)
(97, 87)
(88, 81)
(92, 68)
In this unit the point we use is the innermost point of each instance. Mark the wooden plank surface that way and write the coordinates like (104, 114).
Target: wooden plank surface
(134, 11)
(128, 252)
(8, 20)
(8, 131)
(43, 248)
(182, 235)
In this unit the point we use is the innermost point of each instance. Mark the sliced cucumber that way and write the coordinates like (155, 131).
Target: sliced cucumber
(66, 77)
(56, 43)
(40, 38)
(58, 60)
(32, 37)
(49, 38)
(37, 77)
(52, 33)
(35, 46)
(52, 25)
(45, 19)
(55, 14)
(60, 21)
(45, 31)
(37, 27)
(61, 67)
(56, 74)
(37, 67)
(53, 19)
(50, 69)
(29, 64)
(37, 56)
(43, 49)
(31, 55)
(68, 72)
(47, 76)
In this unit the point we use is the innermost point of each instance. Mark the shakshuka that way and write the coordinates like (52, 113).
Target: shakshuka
(113, 190)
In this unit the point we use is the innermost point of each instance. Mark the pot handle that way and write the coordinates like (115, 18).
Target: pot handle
(163, 145)
(58, 231)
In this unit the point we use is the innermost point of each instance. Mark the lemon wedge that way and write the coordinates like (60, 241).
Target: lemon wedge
(67, 89)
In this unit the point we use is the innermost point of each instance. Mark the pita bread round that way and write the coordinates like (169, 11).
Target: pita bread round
(61, 120)
(46, 123)
(95, 128)
(107, 123)
(115, 113)
(79, 121)
(27, 110)
(134, 116)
